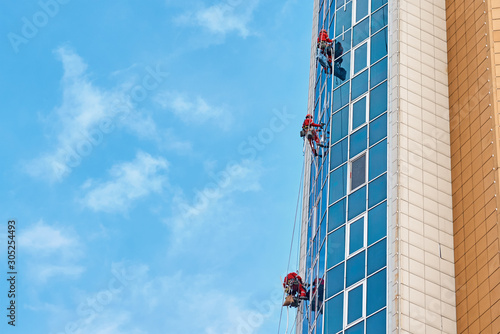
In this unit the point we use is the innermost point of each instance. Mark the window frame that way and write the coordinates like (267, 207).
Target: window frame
(363, 216)
(367, 111)
(355, 8)
(368, 65)
(343, 7)
(350, 190)
(346, 304)
(371, 15)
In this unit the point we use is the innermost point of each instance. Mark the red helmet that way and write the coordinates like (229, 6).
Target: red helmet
(309, 116)
(322, 31)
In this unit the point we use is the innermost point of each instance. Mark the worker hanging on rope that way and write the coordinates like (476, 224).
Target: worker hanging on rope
(325, 55)
(294, 288)
(309, 131)
(318, 287)
(325, 51)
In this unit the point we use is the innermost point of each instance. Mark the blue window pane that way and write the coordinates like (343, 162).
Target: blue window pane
(360, 58)
(378, 160)
(323, 106)
(343, 44)
(341, 97)
(335, 280)
(377, 4)
(340, 125)
(332, 10)
(342, 68)
(355, 304)
(357, 202)
(314, 252)
(324, 201)
(326, 114)
(359, 85)
(338, 154)
(305, 324)
(361, 9)
(358, 329)
(336, 247)
(379, 19)
(343, 19)
(334, 314)
(377, 223)
(322, 229)
(376, 323)
(360, 32)
(378, 72)
(378, 100)
(319, 322)
(355, 270)
(320, 19)
(377, 256)
(358, 142)
(356, 235)
(329, 88)
(378, 129)
(377, 190)
(336, 215)
(359, 113)
(376, 290)
(358, 172)
(317, 88)
(321, 270)
(378, 46)
(338, 183)
(331, 29)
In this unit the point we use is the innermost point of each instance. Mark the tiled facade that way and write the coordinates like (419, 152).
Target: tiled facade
(474, 54)
(423, 279)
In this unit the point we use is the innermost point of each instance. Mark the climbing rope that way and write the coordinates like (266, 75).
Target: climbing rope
(286, 330)
(292, 242)
(295, 322)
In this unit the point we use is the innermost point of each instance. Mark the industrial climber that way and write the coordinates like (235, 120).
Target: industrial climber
(293, 286)
(309, 131)
(325, 51)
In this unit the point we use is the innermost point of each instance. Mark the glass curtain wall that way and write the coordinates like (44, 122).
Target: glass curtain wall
(346, 265)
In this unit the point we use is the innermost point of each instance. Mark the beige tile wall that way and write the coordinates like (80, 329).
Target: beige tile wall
(473, 28)
(423, 287)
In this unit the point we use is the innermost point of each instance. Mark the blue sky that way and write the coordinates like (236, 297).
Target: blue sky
(152, 159)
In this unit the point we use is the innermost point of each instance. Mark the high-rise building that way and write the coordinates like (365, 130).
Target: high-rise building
(400, 213)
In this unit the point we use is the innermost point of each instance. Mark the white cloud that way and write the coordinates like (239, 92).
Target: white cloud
(193, 110)
(212, 201)
(110, 322)
(241, 177)
(129, 182)
(52, 252)
(85, 110)
(224, 17)
(46, 271)
(173, 303)
(45, 238)
(172, 142)
(87, 114)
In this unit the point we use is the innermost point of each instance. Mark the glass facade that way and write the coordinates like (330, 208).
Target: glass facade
(346, 263)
